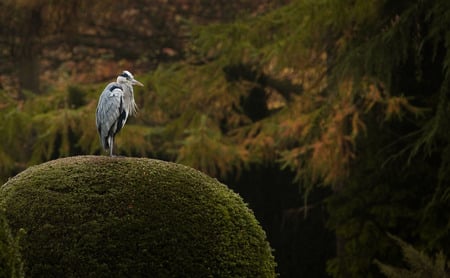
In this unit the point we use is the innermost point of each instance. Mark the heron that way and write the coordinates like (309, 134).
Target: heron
(115, 104)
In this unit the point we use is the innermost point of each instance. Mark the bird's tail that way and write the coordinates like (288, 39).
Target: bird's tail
(103, 140)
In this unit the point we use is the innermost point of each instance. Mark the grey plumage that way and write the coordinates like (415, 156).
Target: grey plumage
(115, 104)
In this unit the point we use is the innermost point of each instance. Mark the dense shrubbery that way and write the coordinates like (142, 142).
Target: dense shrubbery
(102, 217)
(10, 261)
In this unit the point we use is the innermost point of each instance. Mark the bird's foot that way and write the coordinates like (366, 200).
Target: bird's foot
(113, 155)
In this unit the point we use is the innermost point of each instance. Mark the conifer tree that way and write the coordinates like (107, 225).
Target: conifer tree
(419, 264)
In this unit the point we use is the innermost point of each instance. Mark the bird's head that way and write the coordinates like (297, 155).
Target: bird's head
(127, 77)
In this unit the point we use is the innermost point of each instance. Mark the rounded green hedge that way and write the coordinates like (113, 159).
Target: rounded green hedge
(10, 261)
(95, 216)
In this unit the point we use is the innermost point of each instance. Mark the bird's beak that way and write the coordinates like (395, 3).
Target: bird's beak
(135, 82)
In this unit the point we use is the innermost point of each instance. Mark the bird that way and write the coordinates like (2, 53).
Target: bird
(116, 103)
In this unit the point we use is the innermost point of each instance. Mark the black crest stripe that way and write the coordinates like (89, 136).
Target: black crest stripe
(115, 87)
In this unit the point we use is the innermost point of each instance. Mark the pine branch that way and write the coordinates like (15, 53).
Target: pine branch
(246, 72)
(420, 264)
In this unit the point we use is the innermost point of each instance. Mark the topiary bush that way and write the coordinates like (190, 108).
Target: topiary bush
(96, 216)
(10, 261)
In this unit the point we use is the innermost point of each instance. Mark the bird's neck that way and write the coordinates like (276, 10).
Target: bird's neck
(129, 95)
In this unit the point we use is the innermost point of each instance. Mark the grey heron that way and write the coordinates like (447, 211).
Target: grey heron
(115, 104)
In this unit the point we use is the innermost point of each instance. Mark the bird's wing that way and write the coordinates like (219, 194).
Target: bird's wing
(109, 109)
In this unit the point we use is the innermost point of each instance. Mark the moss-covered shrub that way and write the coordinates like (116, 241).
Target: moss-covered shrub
(10, 261)
(93, 216)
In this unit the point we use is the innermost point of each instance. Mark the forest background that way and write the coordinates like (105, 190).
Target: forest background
(329, 117)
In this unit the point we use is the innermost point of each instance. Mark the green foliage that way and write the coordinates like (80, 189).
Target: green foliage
(363, 212)
(10, 259)
(316, 87)
(58, 123)
(93, 216)
(384, 195)
(204, 149)
(419, 264)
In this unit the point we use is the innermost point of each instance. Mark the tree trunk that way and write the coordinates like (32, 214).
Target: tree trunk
(340, 242)
(28, 51)
(28, 70)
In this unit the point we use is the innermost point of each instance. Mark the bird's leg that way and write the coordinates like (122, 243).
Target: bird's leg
(111, 146)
